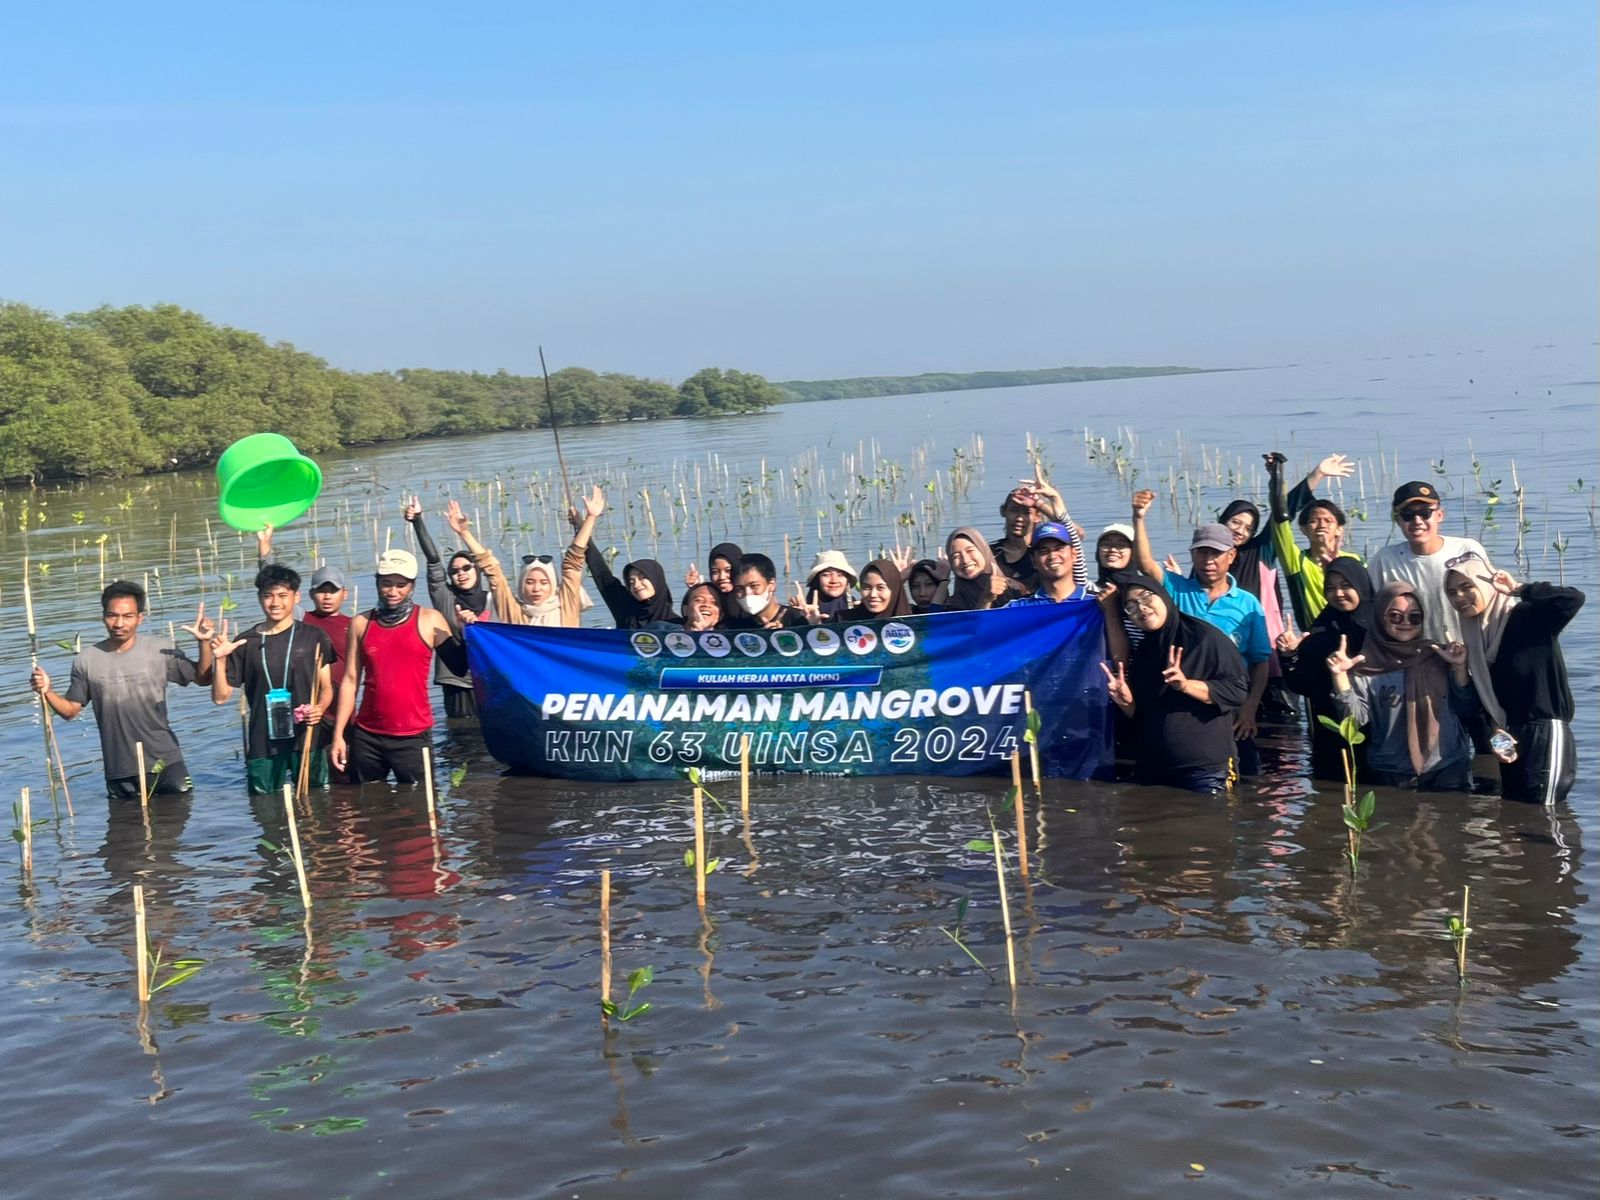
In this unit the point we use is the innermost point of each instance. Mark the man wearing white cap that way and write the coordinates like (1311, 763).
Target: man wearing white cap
(392, 647)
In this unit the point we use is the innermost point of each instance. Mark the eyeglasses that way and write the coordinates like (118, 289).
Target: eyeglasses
(1422, 512)
(1132, 606)
(1460, 560)
(529, 559)
(1403, 618)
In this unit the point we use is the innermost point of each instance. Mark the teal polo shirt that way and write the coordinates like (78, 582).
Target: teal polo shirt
(1236, 612)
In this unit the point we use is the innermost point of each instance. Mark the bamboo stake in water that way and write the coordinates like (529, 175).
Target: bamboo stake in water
(605, 941)
(1022, 826)
(25, 813)
(427, 790)
(744, 775)
(141, 944)
(51, 746)
(144, 782)
(1461, 946)
(699, 848)
(1005, 908)
(1033, 746)
(294, 846)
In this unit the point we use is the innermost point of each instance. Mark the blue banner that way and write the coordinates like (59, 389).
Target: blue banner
(936, 695)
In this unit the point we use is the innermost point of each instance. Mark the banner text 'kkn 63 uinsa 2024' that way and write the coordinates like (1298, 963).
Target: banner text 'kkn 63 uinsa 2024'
(935, 695)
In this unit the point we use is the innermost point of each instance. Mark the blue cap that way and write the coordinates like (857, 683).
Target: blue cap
(1054, 531)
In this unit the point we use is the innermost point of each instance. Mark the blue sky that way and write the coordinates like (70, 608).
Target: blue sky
(810, 191)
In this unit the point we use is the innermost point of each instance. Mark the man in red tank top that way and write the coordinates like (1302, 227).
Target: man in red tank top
(391, 651)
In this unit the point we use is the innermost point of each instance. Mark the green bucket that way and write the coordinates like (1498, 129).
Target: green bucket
(263, 480)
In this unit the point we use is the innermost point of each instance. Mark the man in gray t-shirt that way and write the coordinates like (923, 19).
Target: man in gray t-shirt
(125, 678)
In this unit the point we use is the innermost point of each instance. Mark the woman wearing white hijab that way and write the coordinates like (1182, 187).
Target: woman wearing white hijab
(1514, 657)
(542, 597)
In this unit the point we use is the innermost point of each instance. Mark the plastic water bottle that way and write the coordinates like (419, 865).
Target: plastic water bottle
(1503, 745)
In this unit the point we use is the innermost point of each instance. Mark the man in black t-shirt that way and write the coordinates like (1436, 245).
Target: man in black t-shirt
(285, 669)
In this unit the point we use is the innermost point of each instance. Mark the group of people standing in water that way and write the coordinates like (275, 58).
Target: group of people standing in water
(1428, 649)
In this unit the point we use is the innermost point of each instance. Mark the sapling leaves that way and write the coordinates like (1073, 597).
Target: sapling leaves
(711, 864)
(638, 980)
(1034, 723)
(695, 778)
(980, 845)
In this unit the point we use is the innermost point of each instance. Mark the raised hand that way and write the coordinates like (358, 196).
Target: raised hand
(1107, 599)
(1454, 653)
(412, 510)
(1274, 461)
(222, 645)
(264, 541)
(1289, 641)
(901, 559)
(202, 629)
(812, 611)
(1173, 674)
(999, 585)
(1336, 466)
(594, 504)
(456, 519)
(1340, 662)
(1117, 686)
(1142, 500)
(1171, 564)
(466, 616)
(691, 577)
(1503, 583)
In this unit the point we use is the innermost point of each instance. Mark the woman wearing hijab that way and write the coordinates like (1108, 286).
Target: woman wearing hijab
(976, 581)
(828, 583)
(542, 595)
(1255, 570)
(641, 599)
(1347, 615)
(1518, 674)
(1181, 687)
(1399, 689)
(455, 590)
(924, 581)
(720, 564)
(883, 594)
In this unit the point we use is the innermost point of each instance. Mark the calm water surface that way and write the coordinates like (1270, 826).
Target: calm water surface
(1205, 1000)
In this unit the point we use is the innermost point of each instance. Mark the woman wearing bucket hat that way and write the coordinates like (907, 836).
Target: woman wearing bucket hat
(828, 583)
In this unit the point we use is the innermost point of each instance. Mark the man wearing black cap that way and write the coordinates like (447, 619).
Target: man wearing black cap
(1213, 595)
(1419, 560)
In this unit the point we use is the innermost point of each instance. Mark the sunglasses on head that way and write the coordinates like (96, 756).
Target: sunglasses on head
(1462, 560)
(1422, 512)
(1403, 618)
(529, 559)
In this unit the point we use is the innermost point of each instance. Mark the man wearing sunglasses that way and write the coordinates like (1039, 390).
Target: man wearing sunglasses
(1421, 559)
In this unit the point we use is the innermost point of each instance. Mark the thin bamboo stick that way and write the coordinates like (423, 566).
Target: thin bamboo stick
(427, 790)
(605, 940)
(1461, 946)
(144, 782)
(1005, 910)
(25, 813)
(1022, 827)
(744, 775)
(294, 846)
(699, 849)
(1033, 746)
(141, 944)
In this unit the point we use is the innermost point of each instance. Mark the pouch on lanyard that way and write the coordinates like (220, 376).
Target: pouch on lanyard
(280, 715)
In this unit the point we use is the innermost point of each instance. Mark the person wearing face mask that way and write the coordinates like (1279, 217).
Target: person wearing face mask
(542, 596)
(755, 583)
(702, 608)
(460, 593)
(828, 583)
(1519, 676)
(883, 594)
(976, 581)
(1407, 693)
(1419, 559)
(1344, 619)
(1213, 595)
(387, 663)
(1180, 690)
(1321, 520)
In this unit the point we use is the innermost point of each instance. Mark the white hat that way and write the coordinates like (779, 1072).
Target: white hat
(1119, 528)
(398, 562)
(831, 560)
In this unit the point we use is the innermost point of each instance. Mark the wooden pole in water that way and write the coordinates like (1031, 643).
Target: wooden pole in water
(699, 849)
(427, 790)
(47, 725)
(294, 847)
(1461, 946)
(605, 941)
(25, 820)
(144, 782)
(1005, 909)
(744, 775)
(141, 952)
(1033, 746)
(1022, 825)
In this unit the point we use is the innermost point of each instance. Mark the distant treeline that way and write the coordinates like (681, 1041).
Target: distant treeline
(944, 381)
(124, 390)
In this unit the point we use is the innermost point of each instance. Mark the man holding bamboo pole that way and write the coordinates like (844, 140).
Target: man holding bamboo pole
(125, 678)
(284, 667)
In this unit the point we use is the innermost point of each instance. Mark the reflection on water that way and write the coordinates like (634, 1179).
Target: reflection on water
(1205, 992)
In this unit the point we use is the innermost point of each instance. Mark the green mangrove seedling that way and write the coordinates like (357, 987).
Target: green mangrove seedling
(955, 934)
(1457, 930)
(695, 778)
(627, 1011)
(711, 863)
(177, 970)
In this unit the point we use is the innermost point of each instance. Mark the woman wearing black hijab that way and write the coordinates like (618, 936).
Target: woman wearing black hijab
(1348, 615)
(641, 599)
(456, 586)
(926, 581)
(883, 594)
(1181, 688)
(720, 564)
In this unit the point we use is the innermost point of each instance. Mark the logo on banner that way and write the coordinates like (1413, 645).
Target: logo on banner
(823, 640)
(647, 645)
(715, 645)
(787, 642)
(751, 644)
(680, 644)
(898, 638)
(860, 639)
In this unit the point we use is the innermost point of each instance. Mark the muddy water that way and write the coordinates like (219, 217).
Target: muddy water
(1205, 996)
